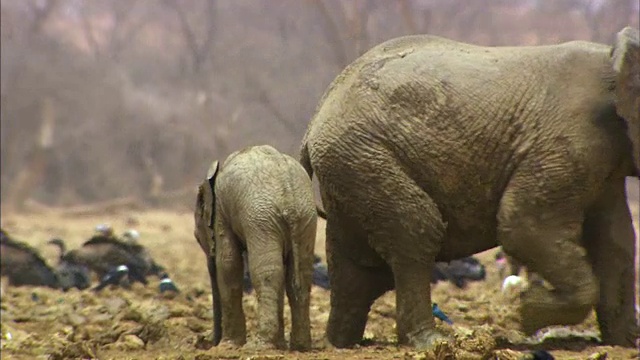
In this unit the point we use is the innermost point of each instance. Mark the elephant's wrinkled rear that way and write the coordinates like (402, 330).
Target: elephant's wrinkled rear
(427, 148)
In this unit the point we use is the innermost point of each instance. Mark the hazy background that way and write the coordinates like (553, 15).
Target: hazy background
(124, 102)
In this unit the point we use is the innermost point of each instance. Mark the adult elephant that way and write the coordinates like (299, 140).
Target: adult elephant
(428, 149)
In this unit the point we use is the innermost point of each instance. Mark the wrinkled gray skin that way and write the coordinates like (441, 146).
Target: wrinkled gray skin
(262, 201)
(429, 149)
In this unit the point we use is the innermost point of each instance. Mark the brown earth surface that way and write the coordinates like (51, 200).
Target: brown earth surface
(39, 323)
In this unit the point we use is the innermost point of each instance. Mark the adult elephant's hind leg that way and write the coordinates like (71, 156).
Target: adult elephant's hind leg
(540, 225)
(610, 242)
(409, 235)
(354, 287)
(405, 228)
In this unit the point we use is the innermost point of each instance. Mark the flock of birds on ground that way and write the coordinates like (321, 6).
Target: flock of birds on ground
(120, 261)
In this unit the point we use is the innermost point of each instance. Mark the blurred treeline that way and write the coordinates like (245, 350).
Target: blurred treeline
(108, 99)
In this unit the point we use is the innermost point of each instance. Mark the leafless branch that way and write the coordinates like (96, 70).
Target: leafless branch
(120, 33)
(407, 16)
(199, 52)
(41, 14)
(332, 32)
(358, 25)
(32, 172)
(88, 32)
(205, 49)
(156, 178)
(264, 97)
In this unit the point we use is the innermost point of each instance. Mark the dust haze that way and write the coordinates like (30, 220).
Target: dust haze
(112, 110)
(124, 103)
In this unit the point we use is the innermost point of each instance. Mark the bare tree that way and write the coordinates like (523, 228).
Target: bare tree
(41, 12)
(146, 93)
(199, 49)
(31, 174)
(407, 16)
(260, 93)
(604, 18)
(346, 33)
(120, 34)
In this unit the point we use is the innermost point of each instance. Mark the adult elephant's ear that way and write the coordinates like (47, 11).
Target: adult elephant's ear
(625, 56)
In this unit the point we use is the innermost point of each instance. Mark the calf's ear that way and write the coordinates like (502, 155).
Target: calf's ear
(204, 212)
(210, 193)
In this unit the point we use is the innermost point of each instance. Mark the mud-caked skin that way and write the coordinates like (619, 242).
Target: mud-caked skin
(427, 150)
(261, 201)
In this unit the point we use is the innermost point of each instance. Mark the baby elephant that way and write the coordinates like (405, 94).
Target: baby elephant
(261, 201)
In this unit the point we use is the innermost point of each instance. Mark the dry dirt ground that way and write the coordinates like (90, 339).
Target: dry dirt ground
(39, 323)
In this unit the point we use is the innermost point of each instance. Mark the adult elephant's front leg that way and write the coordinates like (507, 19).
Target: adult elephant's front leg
(540, 224)
(610, 242)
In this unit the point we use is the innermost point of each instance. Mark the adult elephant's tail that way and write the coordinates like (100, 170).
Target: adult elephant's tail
(305, 161)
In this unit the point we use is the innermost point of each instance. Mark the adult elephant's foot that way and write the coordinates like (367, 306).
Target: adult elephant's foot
(262, 345)
(541, 307)
(234, 339)
(228, 344)
(300, 342)
(618, 328)
(346, 325)
(427, 339)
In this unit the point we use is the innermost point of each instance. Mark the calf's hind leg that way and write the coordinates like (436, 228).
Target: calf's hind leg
(299, 276)
(229, 274)
(266, 267)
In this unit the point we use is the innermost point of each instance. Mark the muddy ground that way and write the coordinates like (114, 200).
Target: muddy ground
(38, 323)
